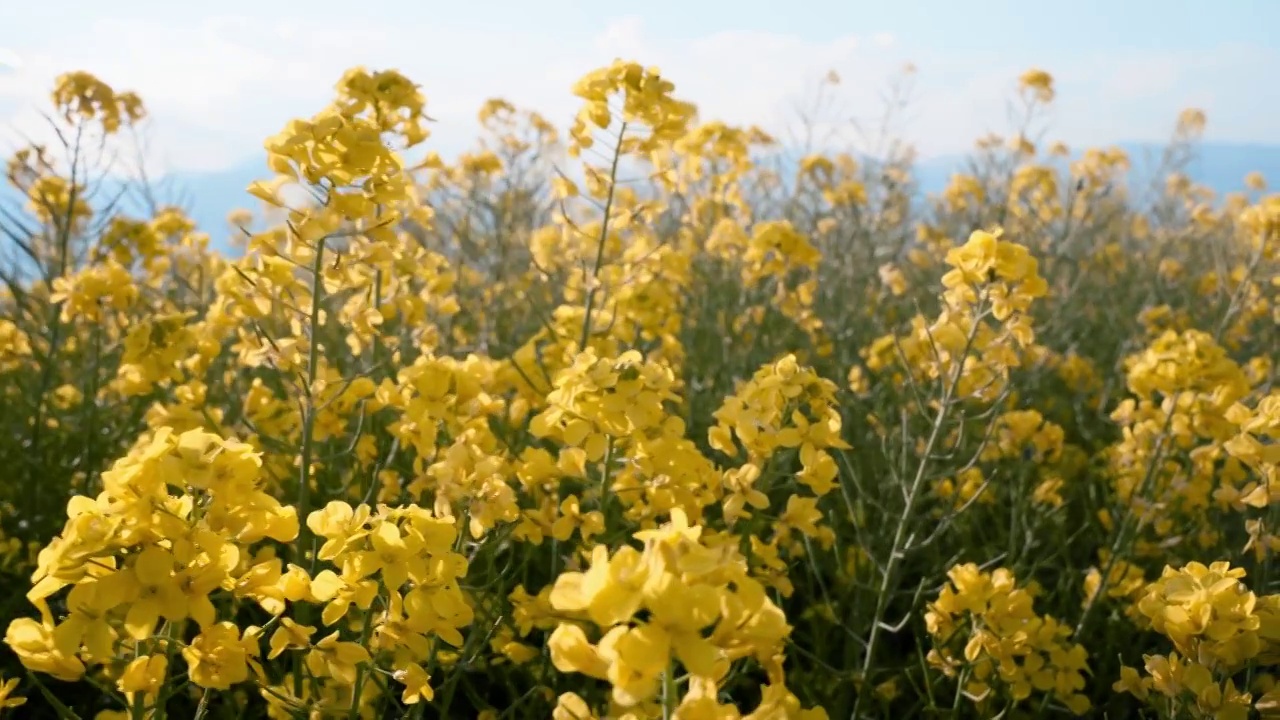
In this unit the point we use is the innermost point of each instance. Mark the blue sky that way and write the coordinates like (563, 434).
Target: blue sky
(219, 77)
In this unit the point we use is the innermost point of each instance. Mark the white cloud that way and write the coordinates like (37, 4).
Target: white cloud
(623, 37)
(218, 86)
(9, 61)
(1143, 76)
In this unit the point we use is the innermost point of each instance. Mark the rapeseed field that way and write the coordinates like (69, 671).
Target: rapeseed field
(637, 419)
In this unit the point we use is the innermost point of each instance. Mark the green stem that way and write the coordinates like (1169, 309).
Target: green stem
(1122, 533)
(670, 693)
(308, 417)
(64, 712)
(606, 475)
(358, 691)
(604, 238)
(898, 549)
(203, 708)
(304, 539)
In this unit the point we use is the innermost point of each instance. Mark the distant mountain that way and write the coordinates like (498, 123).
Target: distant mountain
(1220, 166)
(210, 196)
(207, 197)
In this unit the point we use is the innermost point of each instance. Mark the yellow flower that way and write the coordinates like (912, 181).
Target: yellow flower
(571, 706)
(145, 674)
(395, 556)
(218, 657)
(1039, 82)
(1132, 682)
(336, 658)
(1206, 612)
(289, 635)
(609, 592)
(156, 593)
(572, 652)
(7, 698)
(986, 619)
(417, 684)
(34, 644)
(81, 94)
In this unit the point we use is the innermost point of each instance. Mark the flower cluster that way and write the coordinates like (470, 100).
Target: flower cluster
(984, 326)
(988, 636)
(686, 601)
(81, 94)
(1217, 627)
(597, 401)
(1167, 463)
(177, 522)
(784, 405)
(645, 98)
